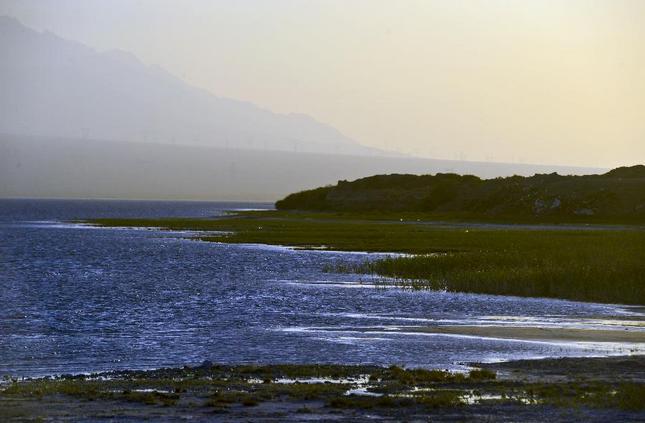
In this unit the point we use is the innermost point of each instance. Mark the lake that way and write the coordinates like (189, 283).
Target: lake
(77, 298)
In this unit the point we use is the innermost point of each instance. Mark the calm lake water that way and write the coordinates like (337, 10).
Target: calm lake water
(78, 299)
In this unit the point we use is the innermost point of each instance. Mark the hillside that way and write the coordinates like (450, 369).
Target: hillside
(55, 87)
(619, 193)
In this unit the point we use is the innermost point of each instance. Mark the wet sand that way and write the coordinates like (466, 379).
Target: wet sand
(631, 335)
(537, 333)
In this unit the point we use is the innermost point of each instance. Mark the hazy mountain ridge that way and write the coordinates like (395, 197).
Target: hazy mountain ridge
(617, 193)
(73, 168)
(75, 122)
(59, 88)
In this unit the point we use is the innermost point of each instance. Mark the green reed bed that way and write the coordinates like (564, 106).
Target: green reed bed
(598, 266)
(587, 265)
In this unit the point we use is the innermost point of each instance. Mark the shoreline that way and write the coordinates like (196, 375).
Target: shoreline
(602, 389)
(565, 389)
(536, 333)
(572, 264)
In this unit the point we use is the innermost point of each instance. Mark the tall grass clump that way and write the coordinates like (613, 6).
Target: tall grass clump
(588, 266)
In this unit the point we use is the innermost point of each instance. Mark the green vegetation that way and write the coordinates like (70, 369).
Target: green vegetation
(211, 389)
(586, 265)
(598, 266)
(618, 195)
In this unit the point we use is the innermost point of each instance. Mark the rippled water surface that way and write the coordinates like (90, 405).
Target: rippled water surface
(78, 299)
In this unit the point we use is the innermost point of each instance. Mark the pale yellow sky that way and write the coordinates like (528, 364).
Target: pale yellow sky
(539, 81)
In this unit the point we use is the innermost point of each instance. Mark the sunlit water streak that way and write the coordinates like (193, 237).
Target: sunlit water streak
(77, 298)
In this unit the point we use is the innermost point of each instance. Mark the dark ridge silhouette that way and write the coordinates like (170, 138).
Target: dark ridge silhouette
(618, 193)
(637, 171)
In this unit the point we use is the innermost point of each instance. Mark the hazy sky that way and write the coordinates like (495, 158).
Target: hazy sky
(541, 81)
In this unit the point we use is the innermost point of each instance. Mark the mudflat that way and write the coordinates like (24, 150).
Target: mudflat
(590, 389)
(537, 333)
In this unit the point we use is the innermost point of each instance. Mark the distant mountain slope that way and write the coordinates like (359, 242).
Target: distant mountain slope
(59, 167)
(618, 193)
(59, 88)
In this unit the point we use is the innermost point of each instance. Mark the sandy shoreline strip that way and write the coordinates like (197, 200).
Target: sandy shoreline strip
(535, 333)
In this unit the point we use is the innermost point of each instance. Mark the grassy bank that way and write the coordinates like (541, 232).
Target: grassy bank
(601, 267)
(613, 391)
(587, 265)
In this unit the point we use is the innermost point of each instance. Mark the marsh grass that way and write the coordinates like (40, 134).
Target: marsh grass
(482, 374)
(219, 388)
(586, 265)
(589, 266)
